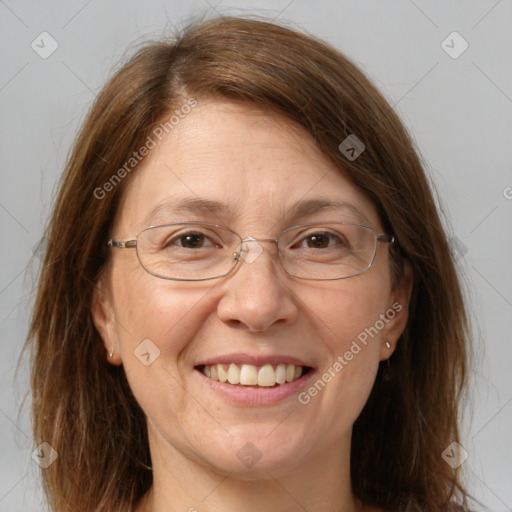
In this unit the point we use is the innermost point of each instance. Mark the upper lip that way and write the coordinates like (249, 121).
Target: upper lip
(240, 358)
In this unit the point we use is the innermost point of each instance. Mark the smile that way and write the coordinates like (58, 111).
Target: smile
(266, 375)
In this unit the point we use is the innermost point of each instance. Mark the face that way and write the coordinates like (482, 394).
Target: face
(258, 168)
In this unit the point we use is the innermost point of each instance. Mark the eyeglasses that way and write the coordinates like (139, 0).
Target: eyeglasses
(191, 251)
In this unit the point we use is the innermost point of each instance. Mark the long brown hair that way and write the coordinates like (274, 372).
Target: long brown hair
(83, 406)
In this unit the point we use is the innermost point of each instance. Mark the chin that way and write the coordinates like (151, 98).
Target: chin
(253, 457)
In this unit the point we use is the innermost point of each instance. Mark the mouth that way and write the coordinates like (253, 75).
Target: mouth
(256, 376)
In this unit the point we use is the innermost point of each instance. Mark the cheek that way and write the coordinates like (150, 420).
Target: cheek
(156, 320)
(348, 311)
(348, 318)
(148, 307)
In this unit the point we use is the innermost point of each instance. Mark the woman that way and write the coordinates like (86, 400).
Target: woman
(248, 300)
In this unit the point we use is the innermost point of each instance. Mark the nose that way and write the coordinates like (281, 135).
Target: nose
(257, 296)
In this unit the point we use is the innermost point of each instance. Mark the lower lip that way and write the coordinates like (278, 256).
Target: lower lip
(255, 396)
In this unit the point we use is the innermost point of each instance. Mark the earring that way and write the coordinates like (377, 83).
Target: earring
(111, 353)
(386, 375)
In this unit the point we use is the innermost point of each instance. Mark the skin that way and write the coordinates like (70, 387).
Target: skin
(259, 165)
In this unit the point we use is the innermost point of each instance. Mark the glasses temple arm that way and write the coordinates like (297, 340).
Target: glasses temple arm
(122, 244)
(387, 239)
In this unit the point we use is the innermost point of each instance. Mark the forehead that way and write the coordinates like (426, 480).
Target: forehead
(239, 165)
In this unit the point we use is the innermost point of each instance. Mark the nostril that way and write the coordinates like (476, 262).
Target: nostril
(234, 323)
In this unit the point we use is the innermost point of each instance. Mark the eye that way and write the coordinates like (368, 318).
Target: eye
(191, 240)
(320, 240)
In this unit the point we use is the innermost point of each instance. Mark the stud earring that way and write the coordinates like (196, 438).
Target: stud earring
(111, 353)
(387, 373)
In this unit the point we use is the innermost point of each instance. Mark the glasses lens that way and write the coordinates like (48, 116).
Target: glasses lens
(327, 251)
(187, 251)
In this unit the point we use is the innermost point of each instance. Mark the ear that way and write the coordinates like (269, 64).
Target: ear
(397, 313)
(104, 320)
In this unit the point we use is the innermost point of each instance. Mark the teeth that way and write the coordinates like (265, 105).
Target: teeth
(290, 372)
(223, 374)
(266, 376)
(250, 375)
(281, 373)
(233, 374)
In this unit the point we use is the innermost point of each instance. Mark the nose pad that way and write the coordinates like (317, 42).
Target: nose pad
(249, 250)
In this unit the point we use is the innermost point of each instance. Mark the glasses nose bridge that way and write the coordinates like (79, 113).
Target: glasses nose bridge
(249, 254)
(252, 239)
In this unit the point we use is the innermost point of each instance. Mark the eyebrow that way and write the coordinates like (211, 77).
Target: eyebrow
(311, 206)
(187, 206)
(206, 206)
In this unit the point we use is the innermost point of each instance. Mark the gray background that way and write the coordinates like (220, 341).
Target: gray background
(459, 111)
